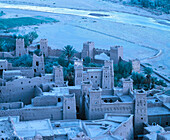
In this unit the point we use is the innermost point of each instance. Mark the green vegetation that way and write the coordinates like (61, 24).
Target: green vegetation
(69, 52)
(161, 5)
(138, 80)
(122, 70)
(23, 61)
(7, 44)
(2, 13)
(49, 63)
(65, 61)
(28, 38)
(87, 63)
(146, 81)
(23, 21)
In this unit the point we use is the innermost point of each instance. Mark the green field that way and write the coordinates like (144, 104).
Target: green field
(24, 21)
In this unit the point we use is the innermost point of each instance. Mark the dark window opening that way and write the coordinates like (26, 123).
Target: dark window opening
(167, 123)
(37, 63)
(35, 70)
(77, 109)
(141, 118)
(59, 99)
(68, 107)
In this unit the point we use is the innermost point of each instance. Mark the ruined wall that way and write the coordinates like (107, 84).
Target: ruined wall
(99, 51)
(14, 105)
(116, 107)
(125, 129)
(6, 55)
(35, 113)
(161, 119)
(54, 52)
(22, 89)
(45, 101)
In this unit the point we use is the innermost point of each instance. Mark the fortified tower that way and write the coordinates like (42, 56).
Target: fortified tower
(127, 85)
(78, 68)
(141, 115)
(38, 65)
(108, 75)
(44, 47)
(88, 50)
(94, 101)
(85, 87)
(106, 78)
(135, 65)
(69, 107)
(20, 47)
(58, 76)
(116, 53)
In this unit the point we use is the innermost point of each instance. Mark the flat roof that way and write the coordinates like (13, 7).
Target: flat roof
(12, 71)
(92, 70)
(58, 91)
(158, 110)
(14, 118)
(31, 128)
(70, 127)
(126, 98)
(99, 127)
(117, 118)
(155, 128)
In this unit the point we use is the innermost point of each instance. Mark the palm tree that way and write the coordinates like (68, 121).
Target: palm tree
(69, 52)
(148, 71)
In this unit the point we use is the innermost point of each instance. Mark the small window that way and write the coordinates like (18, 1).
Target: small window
(95, 76)
(22, 88)
(141, 118)
(21, 82)
(42, 69)
(37, 63)
(29, 82)
(35, 70)
(91, 76)
(167, 123)
(59, 99)
(68, 107)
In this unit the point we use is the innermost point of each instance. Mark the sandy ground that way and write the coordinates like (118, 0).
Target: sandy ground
(98, 5)
(75, 30)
